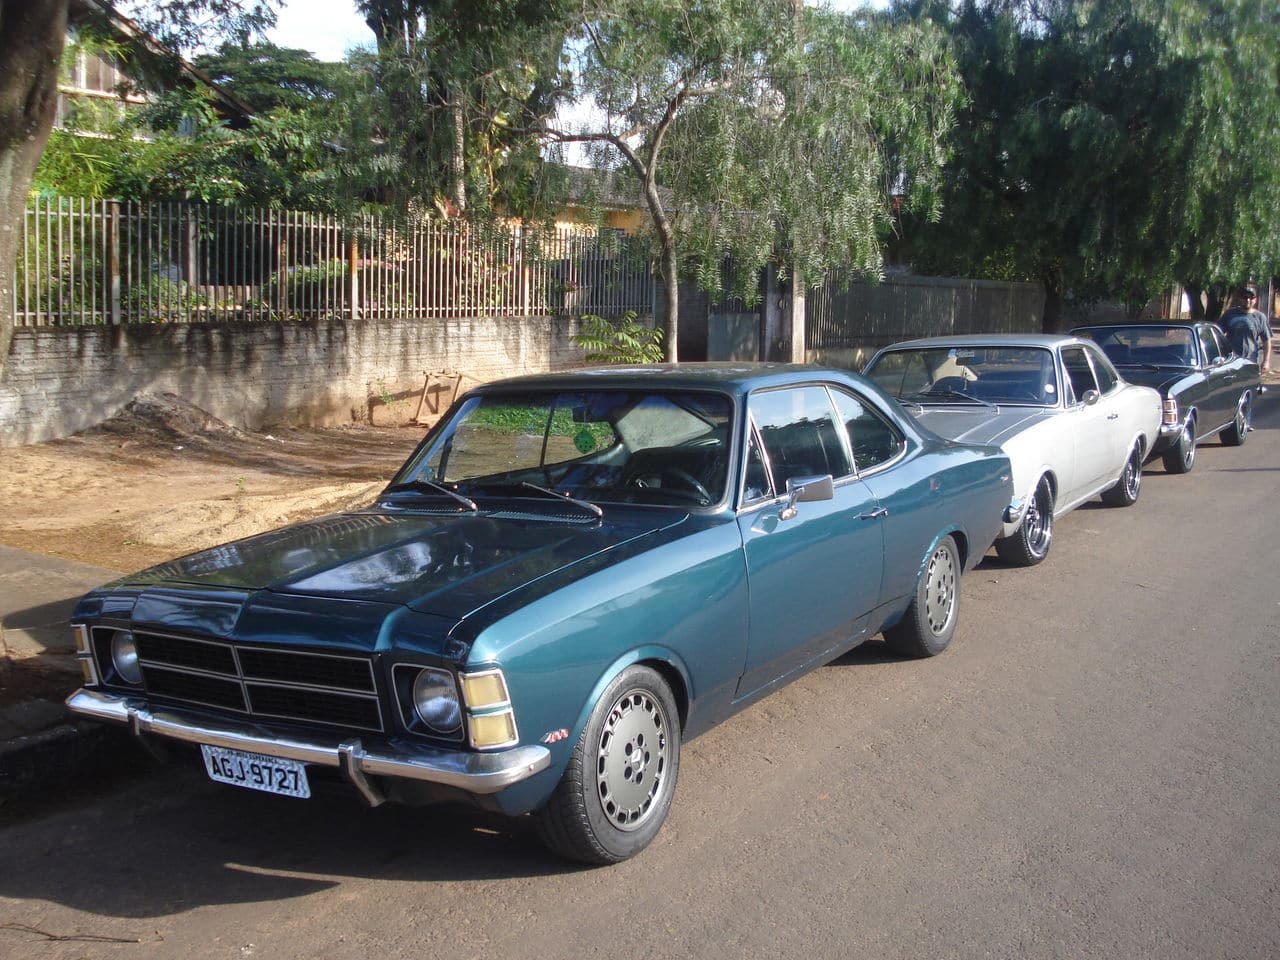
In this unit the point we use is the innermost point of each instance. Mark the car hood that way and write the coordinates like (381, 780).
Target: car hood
(447, 566)
(1162, 379)
(975, 424)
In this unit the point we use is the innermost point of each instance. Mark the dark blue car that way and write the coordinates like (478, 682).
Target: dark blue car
(572, 575)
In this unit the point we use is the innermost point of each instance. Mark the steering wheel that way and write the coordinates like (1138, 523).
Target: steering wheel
(686, 485)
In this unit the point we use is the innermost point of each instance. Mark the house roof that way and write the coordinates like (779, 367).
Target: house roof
(155, 56)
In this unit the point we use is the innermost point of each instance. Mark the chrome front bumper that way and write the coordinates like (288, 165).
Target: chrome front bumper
(478, 773)
(1015, 511)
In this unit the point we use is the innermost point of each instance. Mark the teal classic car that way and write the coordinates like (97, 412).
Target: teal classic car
(572, 575)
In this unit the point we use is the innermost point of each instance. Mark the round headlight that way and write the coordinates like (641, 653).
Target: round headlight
(124, 657)
(435, 700)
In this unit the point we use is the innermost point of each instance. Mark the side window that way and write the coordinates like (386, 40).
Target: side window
(872, 439)
(1213, 344)
(798, 429)
(1078, 371)
(1102, 369)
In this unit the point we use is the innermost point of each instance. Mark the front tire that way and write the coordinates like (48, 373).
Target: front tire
(1181, 457)
(1029, 544)
(1235, 434)
(1126, 490)
(617, 789)
(926, 628)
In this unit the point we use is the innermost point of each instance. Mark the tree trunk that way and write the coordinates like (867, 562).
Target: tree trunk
(1194, 292)
(458, 157)
(1055, 314)
(32, 34)
(671, 298)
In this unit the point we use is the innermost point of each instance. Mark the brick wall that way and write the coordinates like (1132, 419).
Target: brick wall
(63, 379)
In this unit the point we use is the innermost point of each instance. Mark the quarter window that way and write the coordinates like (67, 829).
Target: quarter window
(871, 438)
(1106, 374)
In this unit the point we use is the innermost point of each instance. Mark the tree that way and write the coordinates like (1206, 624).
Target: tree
(1101, 151)
(268, 77)
(449, 80)
(763, 120)
(32, 35)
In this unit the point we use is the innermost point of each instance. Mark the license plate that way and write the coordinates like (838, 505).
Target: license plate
(288, 778)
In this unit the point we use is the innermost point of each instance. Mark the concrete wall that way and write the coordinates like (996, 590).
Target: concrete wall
(60, 380)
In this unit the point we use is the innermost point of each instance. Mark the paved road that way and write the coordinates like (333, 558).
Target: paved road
(1090, 771)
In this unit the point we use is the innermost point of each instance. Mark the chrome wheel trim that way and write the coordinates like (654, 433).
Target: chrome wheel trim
(1133, 475)
(632, 760)
(1039, 521)
(940, 590)
(1188, 445)
(1245, 417)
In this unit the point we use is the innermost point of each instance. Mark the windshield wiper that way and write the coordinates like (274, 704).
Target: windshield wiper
(584, 504)
(420, 485)
(1145, 366)
(956, 394)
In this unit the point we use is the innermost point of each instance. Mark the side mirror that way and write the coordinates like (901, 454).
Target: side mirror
(1090, 397)
(806, 490)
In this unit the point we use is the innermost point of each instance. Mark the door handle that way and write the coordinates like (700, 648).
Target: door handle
(1113, 416)
(874, 514)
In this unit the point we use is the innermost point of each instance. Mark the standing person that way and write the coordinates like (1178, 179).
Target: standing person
(1248, 328)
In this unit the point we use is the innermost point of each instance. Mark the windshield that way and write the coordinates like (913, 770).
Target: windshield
(1145, 345)
(620, 446)
(1022, 375)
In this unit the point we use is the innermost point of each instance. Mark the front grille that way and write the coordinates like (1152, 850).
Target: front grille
(330, 689)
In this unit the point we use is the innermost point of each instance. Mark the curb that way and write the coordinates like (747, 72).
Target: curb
(61, 755)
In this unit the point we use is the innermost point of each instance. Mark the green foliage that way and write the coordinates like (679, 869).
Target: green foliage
(280, 161)
(160, 299)
(624, 340)
(268, 77)
(448, 82)
(1109, 146)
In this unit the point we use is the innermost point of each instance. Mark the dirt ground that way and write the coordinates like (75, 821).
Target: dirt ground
(165, 478)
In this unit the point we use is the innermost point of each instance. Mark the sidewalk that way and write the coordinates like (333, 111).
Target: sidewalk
(38, 669)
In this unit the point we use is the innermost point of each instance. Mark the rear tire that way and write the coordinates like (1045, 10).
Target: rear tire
(1181, 457)
(1126, 490)
(617, 789)
(1029, 544)
(926, 628)
(1235, 434)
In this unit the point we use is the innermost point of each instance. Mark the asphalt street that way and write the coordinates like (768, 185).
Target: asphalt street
(1090, 771)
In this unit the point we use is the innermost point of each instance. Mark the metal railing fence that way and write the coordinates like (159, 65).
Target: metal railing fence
(83, 262)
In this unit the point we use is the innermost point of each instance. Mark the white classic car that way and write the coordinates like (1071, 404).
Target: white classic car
(1070, 425)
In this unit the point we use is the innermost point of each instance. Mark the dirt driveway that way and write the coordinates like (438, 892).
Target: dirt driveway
(164, 478)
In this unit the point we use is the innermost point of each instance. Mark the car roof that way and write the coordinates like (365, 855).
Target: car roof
(1140, 325)
(726, 376)
(1046, 340)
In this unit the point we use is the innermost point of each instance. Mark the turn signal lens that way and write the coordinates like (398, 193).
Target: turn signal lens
(1170, 416)
(493, 729)
(482, 690)
(124, 657)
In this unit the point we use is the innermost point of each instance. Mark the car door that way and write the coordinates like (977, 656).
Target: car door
(1221, 372)
(1094, 424)
(813, 577)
